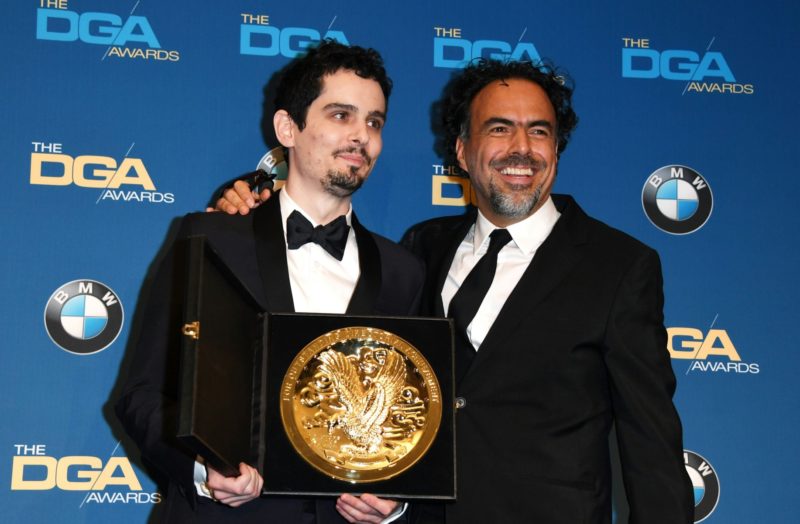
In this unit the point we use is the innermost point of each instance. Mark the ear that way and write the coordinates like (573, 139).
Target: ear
(556, 154)
(460, 154)
(285, 128)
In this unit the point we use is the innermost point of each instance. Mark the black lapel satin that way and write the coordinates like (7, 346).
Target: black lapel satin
(271, 256)
(444, 259)
(553, 261)
(440, 264)
(369, 281)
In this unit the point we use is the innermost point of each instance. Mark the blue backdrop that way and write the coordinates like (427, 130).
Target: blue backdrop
(121, 115)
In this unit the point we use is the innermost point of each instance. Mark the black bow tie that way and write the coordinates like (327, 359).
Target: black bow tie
(332, 237)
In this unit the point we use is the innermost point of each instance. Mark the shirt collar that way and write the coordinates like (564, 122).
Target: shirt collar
(528, 234)
(288, 205)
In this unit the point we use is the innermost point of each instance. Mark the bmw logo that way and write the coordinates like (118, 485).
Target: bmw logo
(83, 317)
(677, 199)
(274, 163)
(705, 483)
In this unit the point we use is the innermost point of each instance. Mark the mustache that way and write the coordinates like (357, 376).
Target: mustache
(517, 160)
(355, 149)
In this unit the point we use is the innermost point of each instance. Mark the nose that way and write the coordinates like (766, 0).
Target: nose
(359, 134)
(520, 141)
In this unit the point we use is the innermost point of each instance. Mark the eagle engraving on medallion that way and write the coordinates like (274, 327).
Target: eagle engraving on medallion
(366, 388)
(358, 405)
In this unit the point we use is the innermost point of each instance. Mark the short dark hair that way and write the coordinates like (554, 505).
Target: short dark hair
(301, 80)
(465, 86)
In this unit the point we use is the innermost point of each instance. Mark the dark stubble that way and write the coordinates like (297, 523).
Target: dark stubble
(345, 183)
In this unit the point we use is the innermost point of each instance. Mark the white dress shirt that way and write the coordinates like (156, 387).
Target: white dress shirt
(512, 261)
(320, 283)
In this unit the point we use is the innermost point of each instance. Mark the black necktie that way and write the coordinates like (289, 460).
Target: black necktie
(332, 237)
(468, 298)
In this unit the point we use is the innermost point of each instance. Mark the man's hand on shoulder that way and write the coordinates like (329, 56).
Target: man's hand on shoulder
(365, 509)
(234, 491)
(240, 199)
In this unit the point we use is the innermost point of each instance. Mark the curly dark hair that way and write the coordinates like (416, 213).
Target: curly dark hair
(454, 108)
(301, 80)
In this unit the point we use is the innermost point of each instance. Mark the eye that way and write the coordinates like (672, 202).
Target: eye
(375, 123)
(340, 115)
(498, 130)
(539, 131)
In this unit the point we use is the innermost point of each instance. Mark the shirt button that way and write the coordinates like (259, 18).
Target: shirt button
(460, 402)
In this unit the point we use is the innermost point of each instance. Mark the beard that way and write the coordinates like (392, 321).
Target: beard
(513, 204)
(342, 183)
(517, 201)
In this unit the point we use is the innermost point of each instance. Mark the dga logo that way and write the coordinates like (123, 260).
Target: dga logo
(83, 317)
(50, 166)
(452, 51)
(677, 199)
(110, 481)
(108, 29)
(706, 73)
(705, 482)
(257, 37)
(451, 187)
(691, 344)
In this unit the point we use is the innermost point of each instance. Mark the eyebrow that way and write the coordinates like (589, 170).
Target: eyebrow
(344, 107)
(506, 122)
(354, 109)
(377, 114)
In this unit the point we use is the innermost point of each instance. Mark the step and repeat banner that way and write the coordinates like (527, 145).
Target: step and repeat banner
(119, 116)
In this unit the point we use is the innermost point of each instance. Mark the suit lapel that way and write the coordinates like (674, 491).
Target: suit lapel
(439, 264)
(552, 262)
(441, 260)
(369, 281)
(271, 256)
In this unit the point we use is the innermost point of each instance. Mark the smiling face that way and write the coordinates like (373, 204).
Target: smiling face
(510, 151)
(341, 140)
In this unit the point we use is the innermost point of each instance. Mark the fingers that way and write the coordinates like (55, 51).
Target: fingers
(364, 509)
(244, 193)
(232, 203)
(384, 506)
(265, 194)
(237, 199)
(235, 491)
(240, 199)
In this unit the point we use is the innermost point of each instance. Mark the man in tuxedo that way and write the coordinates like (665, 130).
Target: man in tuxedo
(302, 251)
(559, 320)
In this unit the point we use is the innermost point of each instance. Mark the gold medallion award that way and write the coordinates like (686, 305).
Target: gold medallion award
(360, 404)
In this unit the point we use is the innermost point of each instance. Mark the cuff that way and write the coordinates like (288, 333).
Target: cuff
(200, 477)
(396, 514)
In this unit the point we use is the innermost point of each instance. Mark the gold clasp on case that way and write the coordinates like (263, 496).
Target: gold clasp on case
(192, 329)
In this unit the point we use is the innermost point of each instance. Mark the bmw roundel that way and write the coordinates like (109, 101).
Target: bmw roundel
(677, 199)
(83, 316)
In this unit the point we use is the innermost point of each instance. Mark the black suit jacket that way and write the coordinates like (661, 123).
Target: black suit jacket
(253, 247)
(579, 345)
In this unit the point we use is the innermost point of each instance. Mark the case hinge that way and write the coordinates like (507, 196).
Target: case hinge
(192, 329)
